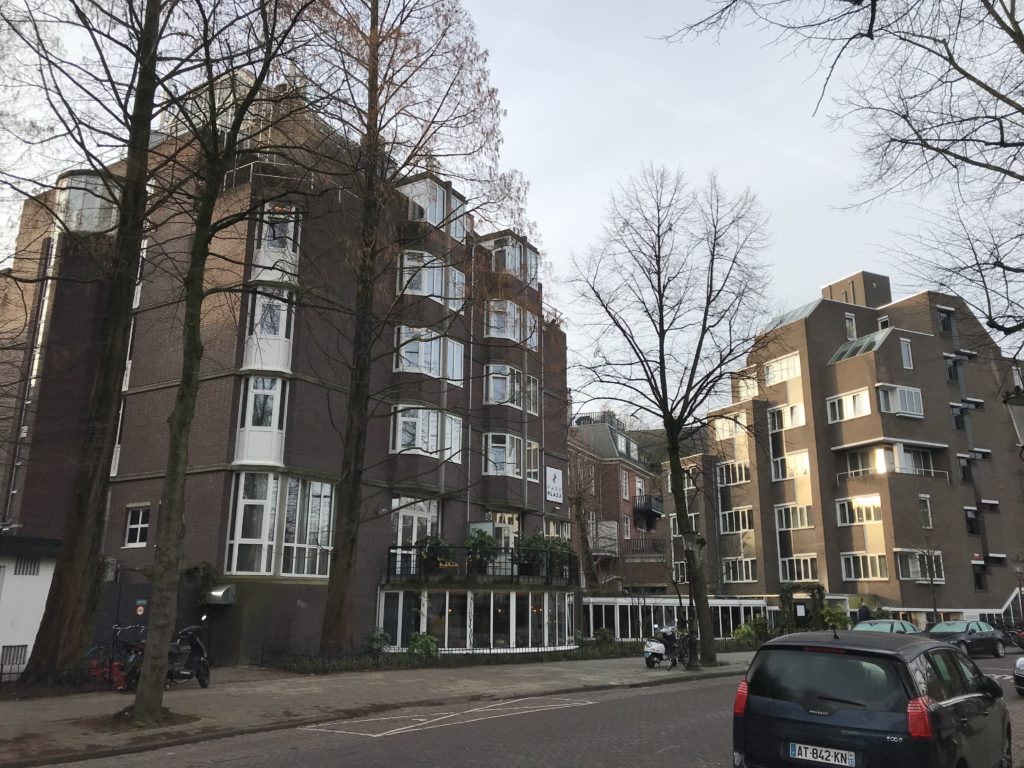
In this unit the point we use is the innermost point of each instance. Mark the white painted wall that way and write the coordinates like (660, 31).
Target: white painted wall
(22, 599)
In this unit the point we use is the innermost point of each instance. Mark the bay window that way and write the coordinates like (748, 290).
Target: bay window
(503, 454)
(253, 520)
(279, 228)
(414, 429)
(263, 401)
(903, 401)
(533, 461)
(270, 313)
(503, 320)
(309, 516)
(422, 275)
(503, 386)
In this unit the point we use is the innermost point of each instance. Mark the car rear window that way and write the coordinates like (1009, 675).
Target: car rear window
(827, 681)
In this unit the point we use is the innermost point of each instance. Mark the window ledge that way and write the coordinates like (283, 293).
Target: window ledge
(133, 546)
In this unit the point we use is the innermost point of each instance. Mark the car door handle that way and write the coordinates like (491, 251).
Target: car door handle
(963, 721)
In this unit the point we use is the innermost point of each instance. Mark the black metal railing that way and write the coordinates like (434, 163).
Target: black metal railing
(650, 505)
(643, 546)
(513, 565)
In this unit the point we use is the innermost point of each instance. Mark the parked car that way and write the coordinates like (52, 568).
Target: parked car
(972, 637)
(868, 699)
(886, 625)
(1018, 676)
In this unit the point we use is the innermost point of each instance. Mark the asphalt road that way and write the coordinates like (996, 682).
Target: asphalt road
(669, 725)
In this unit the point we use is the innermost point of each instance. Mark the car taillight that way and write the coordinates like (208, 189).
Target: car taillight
(919, 718)
(739, 705)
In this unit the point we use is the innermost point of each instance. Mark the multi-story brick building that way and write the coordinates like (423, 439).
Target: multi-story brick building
(613, 485)
(467, 427)
(868, 447)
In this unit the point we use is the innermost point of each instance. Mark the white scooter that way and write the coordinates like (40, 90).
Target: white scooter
(663, 648)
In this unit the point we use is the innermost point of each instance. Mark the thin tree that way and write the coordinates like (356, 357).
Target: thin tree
(101, 100)
(236, 46)
(414, 95)
(931, 89)
(675, 290)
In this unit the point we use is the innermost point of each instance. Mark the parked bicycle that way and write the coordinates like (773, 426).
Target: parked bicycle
(109, 662)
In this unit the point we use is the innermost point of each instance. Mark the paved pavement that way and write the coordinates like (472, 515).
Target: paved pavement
(245, 700)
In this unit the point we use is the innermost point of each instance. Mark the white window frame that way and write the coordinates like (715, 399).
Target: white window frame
(782, 369)
(901, 401)
(415, 429)
(267, 506)
(786, 416)
(455, 292)
(739, 570)
(512, 324)
(454, 360)
(626, 527)
(301, 540)
(624, 482)
(136, 526)
(513, 384)
(907, 354)
(802, 567)
(867, 562)
(426, 201)
(793, 517)
(732, 473)
(422, 274)
(736, 520)
(850, 508)
(532, 395)
(531, 330)
(638, 484)
(277, 395)
(284, 225)
(418, 350)
(912, 565)
(746, 388)
(851, 326)
(849, 405)
(924, 511)
(511, 450)
(266, 301)
(451, 439)
(796, 464)
(533, 461)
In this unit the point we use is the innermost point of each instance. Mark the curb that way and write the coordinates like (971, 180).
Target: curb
(226, 733)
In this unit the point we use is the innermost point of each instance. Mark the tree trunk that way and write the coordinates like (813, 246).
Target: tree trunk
(586, 554)
(694, 571)
(170, 521)
(66, 626)
(337, 632)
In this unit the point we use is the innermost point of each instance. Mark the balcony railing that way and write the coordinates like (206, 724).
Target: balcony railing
(504, 565)
(920, 472)
(650, 505)
(643, 546)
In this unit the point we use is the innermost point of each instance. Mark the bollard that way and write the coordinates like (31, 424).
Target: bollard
(693, 662)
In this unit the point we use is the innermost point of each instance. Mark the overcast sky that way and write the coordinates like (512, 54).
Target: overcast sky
(592, 94)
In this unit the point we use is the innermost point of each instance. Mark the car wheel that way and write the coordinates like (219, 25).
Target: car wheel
(1000, 649)
(1007, 761)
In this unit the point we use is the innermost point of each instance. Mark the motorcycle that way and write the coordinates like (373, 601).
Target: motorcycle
(186, 660)
(663, 648)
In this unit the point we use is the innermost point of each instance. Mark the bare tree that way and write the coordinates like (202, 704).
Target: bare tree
(407, 84)
(100, 101)
(931, 87)
(675, 290)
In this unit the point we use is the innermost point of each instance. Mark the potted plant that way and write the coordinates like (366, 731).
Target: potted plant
(434, 551)
(481, 549)
(532, 554)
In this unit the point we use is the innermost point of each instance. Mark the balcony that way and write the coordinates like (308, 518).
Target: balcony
(868, 471)
(647, 510)
(644, 550)
(459, 565)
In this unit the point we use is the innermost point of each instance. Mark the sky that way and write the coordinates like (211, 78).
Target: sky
(592, 94)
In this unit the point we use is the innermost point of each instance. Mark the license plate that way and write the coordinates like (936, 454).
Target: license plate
(822, 754)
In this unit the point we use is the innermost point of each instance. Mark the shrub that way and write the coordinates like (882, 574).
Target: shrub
(424, 646)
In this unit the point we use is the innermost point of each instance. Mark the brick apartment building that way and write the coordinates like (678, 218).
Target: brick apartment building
(868, 447)
(468, 427)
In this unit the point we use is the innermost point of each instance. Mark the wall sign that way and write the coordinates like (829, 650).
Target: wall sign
(554, 485)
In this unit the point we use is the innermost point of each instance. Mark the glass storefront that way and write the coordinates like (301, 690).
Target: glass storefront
(487, 619)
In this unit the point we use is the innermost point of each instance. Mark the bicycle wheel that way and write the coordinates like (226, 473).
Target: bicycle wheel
(99, 663)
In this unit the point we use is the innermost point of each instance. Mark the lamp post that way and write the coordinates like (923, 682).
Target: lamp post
(1020, 592)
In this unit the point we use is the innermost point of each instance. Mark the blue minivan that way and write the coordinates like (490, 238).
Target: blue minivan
(868, 700)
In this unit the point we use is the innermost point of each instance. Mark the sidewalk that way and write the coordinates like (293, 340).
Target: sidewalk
(245, 700)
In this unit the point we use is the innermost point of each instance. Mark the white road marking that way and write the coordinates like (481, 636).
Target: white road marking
(444, 719)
